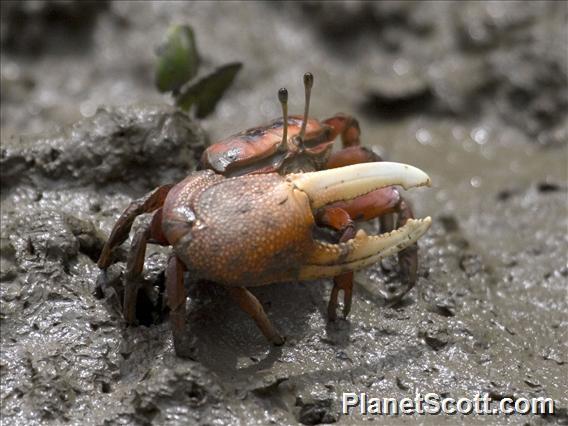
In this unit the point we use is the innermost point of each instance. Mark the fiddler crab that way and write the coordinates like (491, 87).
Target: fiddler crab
(252, 215)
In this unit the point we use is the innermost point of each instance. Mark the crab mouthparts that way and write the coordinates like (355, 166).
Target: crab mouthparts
(347, 183)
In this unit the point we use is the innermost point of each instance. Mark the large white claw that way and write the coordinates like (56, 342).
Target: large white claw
(330, 260)
(345, 183)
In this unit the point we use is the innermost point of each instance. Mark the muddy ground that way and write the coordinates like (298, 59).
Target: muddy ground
(473, 93)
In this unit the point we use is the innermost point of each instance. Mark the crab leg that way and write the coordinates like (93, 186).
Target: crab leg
(176, 296)
(407, 258)
(134, 267)
(135, 259)
(147, 204)
(251, 305)
(339, 219)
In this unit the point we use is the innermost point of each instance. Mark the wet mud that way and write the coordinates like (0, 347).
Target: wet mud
(475, 94)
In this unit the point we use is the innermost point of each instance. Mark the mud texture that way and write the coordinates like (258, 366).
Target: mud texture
(473, 93)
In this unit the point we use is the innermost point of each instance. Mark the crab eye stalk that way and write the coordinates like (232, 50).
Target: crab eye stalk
(283, 98)
(308, 83)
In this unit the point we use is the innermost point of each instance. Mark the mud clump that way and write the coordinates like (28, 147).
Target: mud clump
(317, 410)
(179, 393)
(144, 146)
(90, 239)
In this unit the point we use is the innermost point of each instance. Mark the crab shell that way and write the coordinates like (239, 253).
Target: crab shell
(257, 229)
(261, 150)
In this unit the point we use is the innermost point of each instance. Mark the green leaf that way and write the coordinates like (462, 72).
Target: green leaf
(178, 59)
(207, 91)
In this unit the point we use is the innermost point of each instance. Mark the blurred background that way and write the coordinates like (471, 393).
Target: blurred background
(474, 93)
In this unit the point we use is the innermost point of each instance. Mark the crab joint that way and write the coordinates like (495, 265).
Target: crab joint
(345, 183)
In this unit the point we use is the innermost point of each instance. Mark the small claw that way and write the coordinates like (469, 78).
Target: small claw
(345, 183)
(329, 260)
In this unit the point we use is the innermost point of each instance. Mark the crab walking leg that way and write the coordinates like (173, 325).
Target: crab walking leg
(341, 282)
(407, 258)
(176, 294)
(147, 204)
(134, 267)
(339, 220)
(250, 304)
